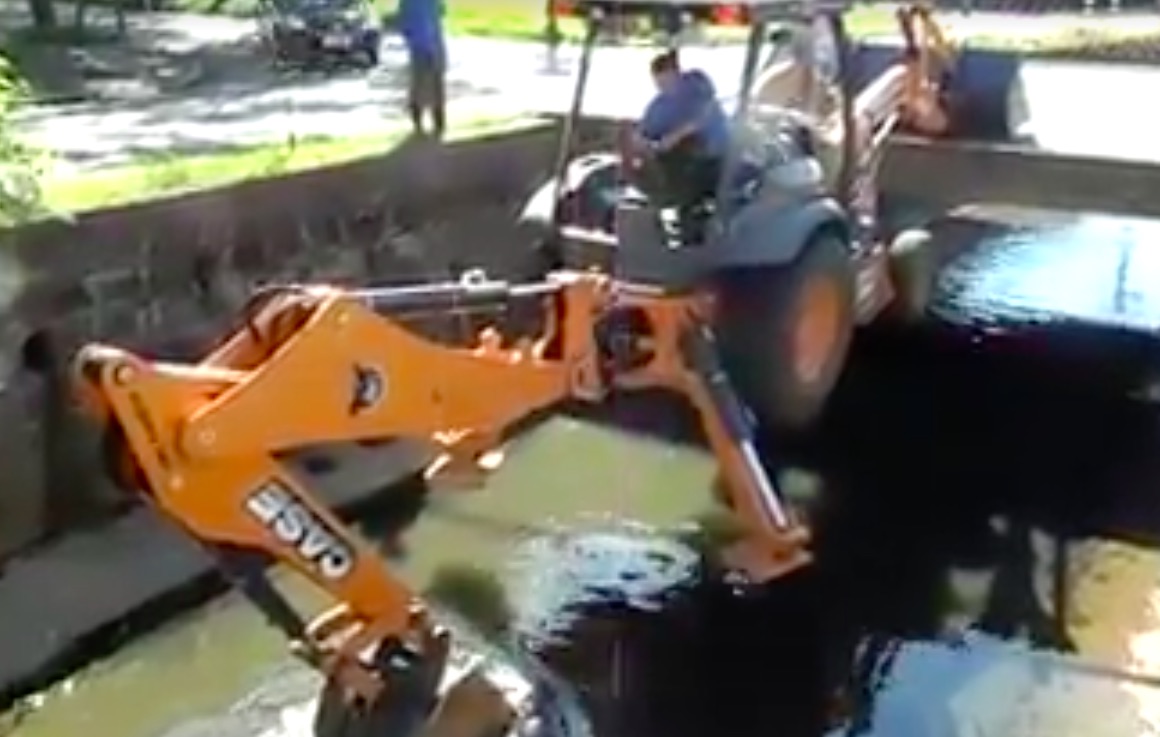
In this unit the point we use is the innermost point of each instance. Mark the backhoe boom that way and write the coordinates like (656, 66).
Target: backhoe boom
(317, 364)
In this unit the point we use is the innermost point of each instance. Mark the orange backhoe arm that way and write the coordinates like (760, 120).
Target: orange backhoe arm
(319, 365)
(929, 55)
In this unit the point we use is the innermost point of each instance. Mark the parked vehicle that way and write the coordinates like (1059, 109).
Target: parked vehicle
(318, 32)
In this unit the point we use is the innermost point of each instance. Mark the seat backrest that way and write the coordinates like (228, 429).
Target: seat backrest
(784, 83)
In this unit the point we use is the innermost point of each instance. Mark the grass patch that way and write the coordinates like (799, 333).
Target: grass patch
(1076, 39)
(163, 176)
(510, 19)
(527, 20)
(528, 23)
(504, 19)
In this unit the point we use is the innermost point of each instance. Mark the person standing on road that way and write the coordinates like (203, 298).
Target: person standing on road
(421, 25)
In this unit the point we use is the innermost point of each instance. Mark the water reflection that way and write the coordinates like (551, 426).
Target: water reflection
(966, 583)
(1001, 486)
(669, 651)
(978, 684)
(558, 579)
(1067, 268)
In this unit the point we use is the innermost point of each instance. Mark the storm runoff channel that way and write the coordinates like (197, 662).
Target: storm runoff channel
(952, 453)
(951, 458)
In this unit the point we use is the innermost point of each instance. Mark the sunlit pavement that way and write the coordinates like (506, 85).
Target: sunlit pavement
(1099, 110)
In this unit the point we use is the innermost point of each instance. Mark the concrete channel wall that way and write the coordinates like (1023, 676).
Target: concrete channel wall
(167, 277)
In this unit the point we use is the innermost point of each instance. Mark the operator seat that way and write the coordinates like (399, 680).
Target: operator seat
(783, 83)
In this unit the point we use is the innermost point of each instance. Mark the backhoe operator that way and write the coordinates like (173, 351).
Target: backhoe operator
(685, 132)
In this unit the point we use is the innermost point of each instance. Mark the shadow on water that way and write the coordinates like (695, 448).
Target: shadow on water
(944, 448)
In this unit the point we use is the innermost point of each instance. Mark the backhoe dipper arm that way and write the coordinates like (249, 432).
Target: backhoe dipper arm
(319, 364)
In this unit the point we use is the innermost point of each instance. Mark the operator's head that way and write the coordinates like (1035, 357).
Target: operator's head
(666, 69)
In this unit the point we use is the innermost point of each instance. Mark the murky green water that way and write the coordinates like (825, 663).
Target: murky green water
(924, 444)
(200, 666)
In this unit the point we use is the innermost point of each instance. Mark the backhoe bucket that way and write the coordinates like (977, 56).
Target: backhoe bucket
(984, 89)
(472, 687)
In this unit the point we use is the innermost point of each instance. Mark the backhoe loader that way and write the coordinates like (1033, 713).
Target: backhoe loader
(794, 248)
(316, 364)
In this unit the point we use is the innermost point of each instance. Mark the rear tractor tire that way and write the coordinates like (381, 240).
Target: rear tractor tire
(912, 274)
(785, 332)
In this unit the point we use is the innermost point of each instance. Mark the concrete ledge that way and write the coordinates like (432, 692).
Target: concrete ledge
(166, 277)
(62, 605)
(87, 581)
(949, 174)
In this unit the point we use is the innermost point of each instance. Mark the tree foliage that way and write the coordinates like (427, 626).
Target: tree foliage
(19, 191)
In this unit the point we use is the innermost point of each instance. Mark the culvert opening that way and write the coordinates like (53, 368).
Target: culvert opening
(945, 460)
(37, 353)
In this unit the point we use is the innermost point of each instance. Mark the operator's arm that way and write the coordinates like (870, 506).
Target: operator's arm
(653, 122)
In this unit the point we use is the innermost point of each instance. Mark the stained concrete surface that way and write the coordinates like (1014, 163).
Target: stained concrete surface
(223, 651)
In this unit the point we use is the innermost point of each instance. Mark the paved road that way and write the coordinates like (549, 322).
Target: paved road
(1078, 108)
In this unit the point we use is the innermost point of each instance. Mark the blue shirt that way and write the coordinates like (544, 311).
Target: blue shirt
(692, 97)
(421, 25)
